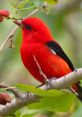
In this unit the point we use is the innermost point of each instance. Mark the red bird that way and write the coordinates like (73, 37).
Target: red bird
(42, 55)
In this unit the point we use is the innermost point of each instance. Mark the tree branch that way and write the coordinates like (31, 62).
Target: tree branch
(9, 37)
(24, 99)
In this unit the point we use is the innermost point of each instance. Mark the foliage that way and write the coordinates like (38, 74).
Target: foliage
(26, 5)
(51, 100)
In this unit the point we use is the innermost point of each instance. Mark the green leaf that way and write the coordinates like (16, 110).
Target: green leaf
(22, 4)
(38, 91)
(14, 3)
(52, 100)
(28, 115)
(24, 112)
(51, 1)
(2, 90)
(18, 114)
(38, 2)
(58, 103)
(28, 8)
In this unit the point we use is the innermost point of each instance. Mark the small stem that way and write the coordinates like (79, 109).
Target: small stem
(14, 91)
(9, 37)
(33, 12)
(11, 89)
(26, 9)
(14, 18)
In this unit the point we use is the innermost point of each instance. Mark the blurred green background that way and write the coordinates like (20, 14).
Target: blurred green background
(65, 21)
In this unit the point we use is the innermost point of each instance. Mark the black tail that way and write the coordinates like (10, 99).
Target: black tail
(79, 92)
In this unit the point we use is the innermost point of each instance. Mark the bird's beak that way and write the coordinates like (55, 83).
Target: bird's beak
(18, 23)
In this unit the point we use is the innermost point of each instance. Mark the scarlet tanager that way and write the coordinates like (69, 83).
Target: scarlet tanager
(42, 55)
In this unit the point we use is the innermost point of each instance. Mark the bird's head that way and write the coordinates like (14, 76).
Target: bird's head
(35, 29)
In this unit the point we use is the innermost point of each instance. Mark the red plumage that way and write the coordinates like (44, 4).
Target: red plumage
(51, 65)
(39, 51)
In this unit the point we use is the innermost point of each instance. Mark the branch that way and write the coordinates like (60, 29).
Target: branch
(24, 99)
(9, 37)
(11, 34)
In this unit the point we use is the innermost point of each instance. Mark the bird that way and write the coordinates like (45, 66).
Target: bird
(42, 55)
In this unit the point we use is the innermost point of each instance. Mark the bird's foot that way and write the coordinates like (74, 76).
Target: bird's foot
(49, 82)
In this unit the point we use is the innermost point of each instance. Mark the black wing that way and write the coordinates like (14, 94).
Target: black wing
(58, 50)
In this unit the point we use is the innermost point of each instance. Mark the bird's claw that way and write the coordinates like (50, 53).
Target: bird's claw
(49, 82)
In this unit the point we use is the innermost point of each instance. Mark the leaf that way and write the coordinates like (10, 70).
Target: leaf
(58, 103)
(52, 100)
(51, 1)
(17, 114)
(14, 3)
(38, 2)
(2, 90)
(22, 4)
(38, 91)
(28, 115)
(24, 112)
(24, 7)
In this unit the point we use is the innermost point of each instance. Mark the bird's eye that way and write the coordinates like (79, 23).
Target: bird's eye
(28, 27)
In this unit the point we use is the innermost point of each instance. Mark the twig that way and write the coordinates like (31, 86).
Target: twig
(61, 83)
(11, 89)
(9, 37)
(33, 12)
(16, 93)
